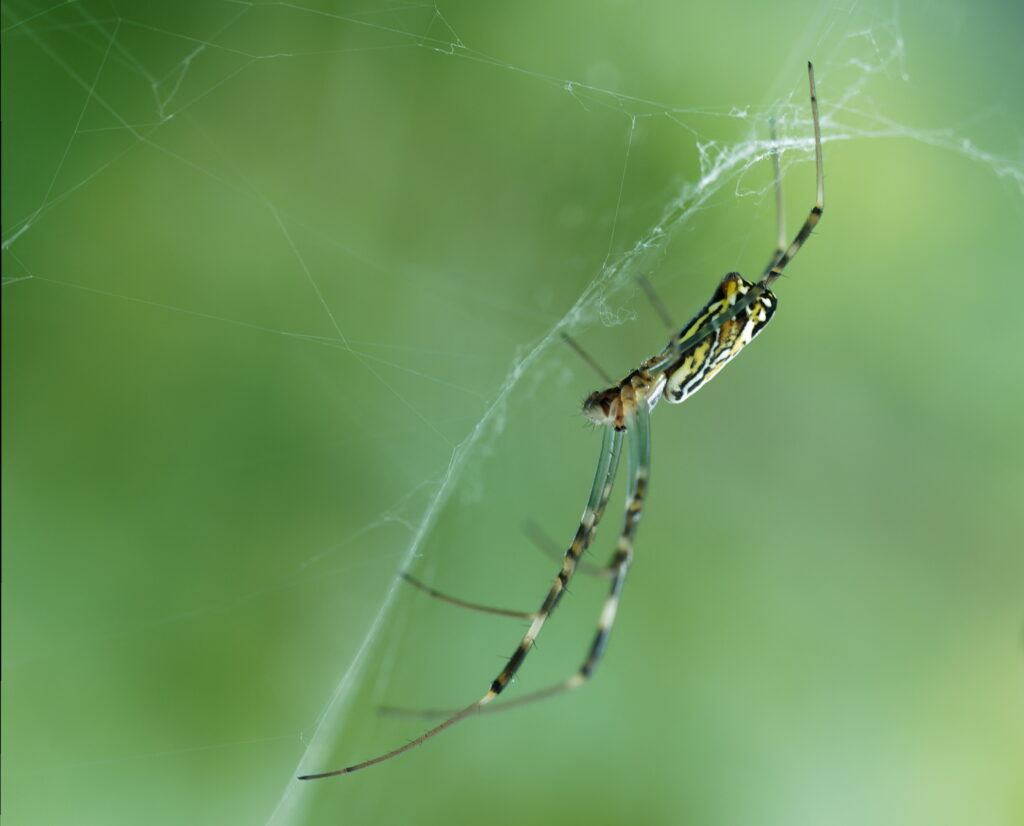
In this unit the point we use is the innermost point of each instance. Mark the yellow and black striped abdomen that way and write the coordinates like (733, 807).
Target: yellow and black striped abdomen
(700, 362)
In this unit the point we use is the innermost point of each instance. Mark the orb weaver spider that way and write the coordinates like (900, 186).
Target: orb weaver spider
(734, 316)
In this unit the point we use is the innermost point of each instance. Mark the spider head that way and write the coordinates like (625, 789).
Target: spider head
(602, 406)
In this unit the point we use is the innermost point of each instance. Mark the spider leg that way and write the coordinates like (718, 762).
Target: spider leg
(583, 354)
(656, 303)
(548, 546)
(611, 447)
(639, 474)
(542, 541)
(474, 606)
(819, 204)
(639, 470)
(775, 271)
(780, 206)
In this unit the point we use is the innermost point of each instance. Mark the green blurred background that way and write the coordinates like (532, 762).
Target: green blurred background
(269, 271)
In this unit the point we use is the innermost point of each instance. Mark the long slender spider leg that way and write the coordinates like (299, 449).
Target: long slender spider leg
(780, 206)
(548, 547)
(461, 603)
(611, 447)
(656, 302)
(581, 566)
(639, 469)
(819, 203)
(583, 354)
(759, 289)
(543, 542)
(639, 473)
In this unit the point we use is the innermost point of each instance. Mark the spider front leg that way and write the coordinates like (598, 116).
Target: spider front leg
(784, 254)
(603, 481)
(639, 430)
(611, 447)
(543, 542)
(639, 474)
(780, 206)
(819, 203)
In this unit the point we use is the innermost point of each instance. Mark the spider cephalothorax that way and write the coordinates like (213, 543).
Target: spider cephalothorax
(614, 405)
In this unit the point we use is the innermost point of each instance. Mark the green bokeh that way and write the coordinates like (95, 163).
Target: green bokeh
(276, 267)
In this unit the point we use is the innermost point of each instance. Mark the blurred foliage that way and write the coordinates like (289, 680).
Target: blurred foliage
(267, 269)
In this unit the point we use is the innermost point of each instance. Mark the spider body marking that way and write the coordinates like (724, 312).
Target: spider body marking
(693, 357)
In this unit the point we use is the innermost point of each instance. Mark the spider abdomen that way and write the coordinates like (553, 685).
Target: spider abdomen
(700, 362)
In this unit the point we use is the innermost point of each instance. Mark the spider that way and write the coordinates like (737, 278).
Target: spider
(736, 313)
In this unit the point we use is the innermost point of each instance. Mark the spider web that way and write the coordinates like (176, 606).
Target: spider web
(270, 208)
